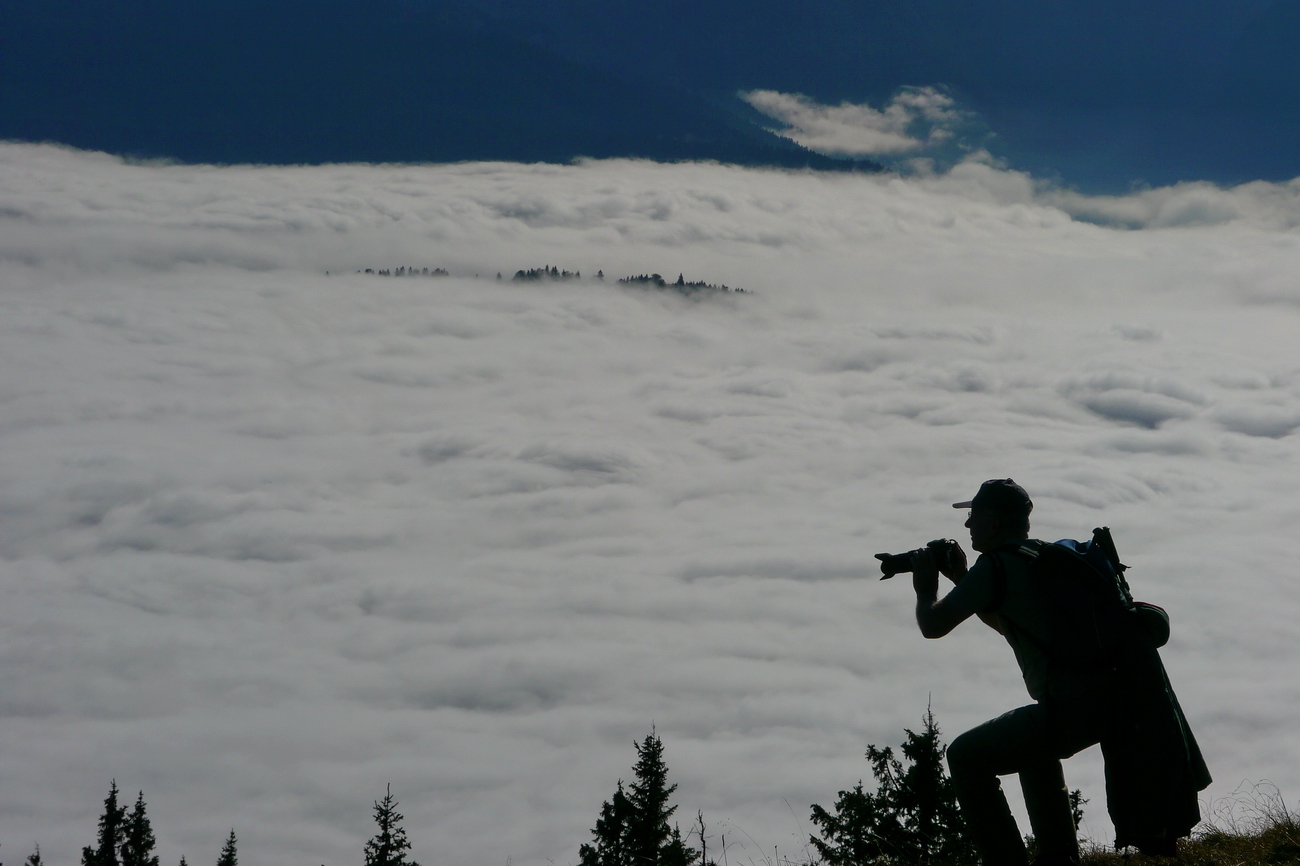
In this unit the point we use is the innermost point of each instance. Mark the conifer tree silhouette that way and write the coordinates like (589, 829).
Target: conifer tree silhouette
(633, 826)
(911, 818)
(111, 833)
(610, 833)
(229, 852)
(138, 840)
(389, 845)
(34, 858)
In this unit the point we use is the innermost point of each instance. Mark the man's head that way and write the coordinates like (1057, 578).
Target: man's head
(999, 513)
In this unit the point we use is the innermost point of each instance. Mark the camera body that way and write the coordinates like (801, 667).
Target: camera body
(901, 563)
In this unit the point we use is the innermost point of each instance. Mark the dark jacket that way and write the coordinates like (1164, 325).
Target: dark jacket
(1154, 767)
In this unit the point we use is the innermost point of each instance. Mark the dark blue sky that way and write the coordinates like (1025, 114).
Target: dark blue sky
(1100, 94)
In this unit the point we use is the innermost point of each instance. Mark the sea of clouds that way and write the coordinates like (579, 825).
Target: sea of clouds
(275, 534)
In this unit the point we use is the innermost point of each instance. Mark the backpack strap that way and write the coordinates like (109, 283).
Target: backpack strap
(999, 582)
(1028, 549)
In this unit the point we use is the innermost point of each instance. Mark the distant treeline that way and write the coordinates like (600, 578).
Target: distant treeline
(682, 285)
(910, 818)
(407, 272)
(551, 273)
(126, 838)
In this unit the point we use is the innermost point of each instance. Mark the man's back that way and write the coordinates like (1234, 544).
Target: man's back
(1005, 585)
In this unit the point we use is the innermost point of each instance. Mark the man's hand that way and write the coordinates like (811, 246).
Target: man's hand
(925, 575)
(953, 565)
(936, 617)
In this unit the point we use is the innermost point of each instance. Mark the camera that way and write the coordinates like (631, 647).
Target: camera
(901, 563)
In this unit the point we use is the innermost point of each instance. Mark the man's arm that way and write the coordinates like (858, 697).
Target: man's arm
(938, 616)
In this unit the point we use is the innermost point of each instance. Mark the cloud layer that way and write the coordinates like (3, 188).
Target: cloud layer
(275, 538)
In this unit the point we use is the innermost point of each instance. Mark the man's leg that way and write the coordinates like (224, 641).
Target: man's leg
(1016, 742)
(976, 759)
(1047, 799)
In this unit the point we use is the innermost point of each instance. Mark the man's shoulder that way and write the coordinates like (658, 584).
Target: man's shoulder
(1008, 556)
(999, 574)
(984, 585)
(1025, 548)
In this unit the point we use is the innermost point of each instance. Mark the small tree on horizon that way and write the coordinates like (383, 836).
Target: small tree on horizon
(912, 818)
(633, 826)
(389, 845)
(229, 851)
(111, 833)
(137, 837)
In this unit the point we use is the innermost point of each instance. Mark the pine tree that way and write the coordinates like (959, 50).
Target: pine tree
(633, 827)
(912, 817)
(111, 833)
(610, 833)
(138, 841)
(229, 852)
(389, 845)
(34, 858)
(648, 830)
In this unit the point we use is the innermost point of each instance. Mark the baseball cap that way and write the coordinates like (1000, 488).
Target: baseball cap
(1000, 494)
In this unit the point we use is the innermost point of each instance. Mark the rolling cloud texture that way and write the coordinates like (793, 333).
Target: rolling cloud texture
(274, 538)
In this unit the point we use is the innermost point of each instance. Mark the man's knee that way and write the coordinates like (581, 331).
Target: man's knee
(964, 755)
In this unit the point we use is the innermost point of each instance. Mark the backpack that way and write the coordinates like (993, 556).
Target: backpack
(1088, 601)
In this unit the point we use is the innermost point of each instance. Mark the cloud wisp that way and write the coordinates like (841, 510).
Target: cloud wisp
(275, 538)
(917, 121)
